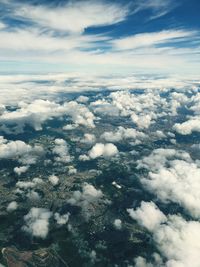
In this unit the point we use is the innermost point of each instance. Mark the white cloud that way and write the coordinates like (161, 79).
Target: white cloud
(122, 134)
(158, 8)
(108, 150)
(141, 262)
(61, 219)
(24, 185)
(86, 198)
(187, 127)
(83, 157)
(61, 150)
(151, 39)
(148, 215)
(12, 206)
(87, 14)
(37, 222)
(82, 99)
(88, 139)
(176, 239)
(33, 195)
(192, 124)
(19, 150)
(173, 177)
(72, 170)
(53, 179)
(141, 108)
(2, 25)
(21, 88)
(118, 224)
(20, 170)
(89, 194)
(33, 114)
(53, 36)
(39, 111)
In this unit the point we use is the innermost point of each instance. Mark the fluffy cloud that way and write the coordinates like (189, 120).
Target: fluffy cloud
(72, 170)
(192, 124)
(61, 219)
(176, 239)
(80, 114)
(88, 139)
(141, 108)
(22, 88)
(53, 179)
(148, 215)
(24, 185)
(187, 127)
(20, 170)
(99, 149)
(61, 150)
(39, 111)
(104, 108)
(82, 99)
(18, 150)
(173, 177)
(86, 198)
(12, 206)
(37, 222)
(33, 195)
(89, 194)
(122, 134)
(118, 224)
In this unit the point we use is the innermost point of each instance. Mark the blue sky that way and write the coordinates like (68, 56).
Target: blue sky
(138, 36)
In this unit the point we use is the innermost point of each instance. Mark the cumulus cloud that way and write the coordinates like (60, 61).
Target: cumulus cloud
(36, 113)
(53, 179)
(192, 123)
(84, 157)
(176, 239)
(118, 224)
(19, 150)
(20, 170)
(148, 215)
(104, 108)
(122, 134)
(61, 219)
(142, 108)
(29, 184)
(37, 222)
(72, 170)
(33, 195)
(22, 87)
(88, 139)
(61, 150)
(173, 177)
(86, 198)
(89, 193)
(108, 150)
(80, 114)
(187, 127)
(12, 206)
(82, 99)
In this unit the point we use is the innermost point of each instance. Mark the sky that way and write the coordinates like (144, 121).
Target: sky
(138, 36)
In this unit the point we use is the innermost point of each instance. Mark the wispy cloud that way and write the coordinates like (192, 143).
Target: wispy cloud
(158, 8)
(59, 35)
(74, 17)
(151, 39)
